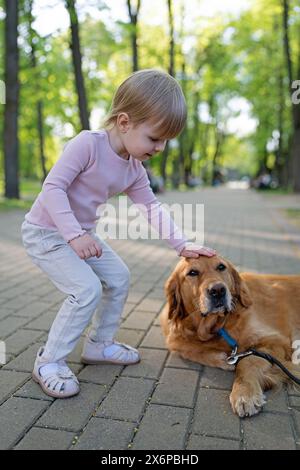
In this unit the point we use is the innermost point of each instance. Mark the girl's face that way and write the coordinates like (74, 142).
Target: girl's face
(142, 141)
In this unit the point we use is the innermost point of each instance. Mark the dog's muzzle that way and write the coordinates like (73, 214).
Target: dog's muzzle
(217, 300)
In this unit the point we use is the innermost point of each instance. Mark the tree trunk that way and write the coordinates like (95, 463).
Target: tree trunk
(134, 33)
(188, 165)
(11, 143)
(41, 138)
(163, 165)
(295, 146)
(219, 140)
(39, 104)
(77, 63)
(279, 162)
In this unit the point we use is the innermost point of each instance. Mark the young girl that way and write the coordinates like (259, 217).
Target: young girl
(59, 231)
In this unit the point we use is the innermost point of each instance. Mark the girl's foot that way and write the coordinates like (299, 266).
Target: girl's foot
(55, 378)
(108, 352)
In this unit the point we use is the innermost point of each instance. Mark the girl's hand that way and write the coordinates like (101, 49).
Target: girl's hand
(192, 250)
(86, 246)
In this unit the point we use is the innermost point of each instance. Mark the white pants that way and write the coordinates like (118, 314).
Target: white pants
(99, 284)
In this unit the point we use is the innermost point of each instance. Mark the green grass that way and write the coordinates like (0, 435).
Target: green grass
(293, 213)
(275, 192)
(293, 216)
(29, 189)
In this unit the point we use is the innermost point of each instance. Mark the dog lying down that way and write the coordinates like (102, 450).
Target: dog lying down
(257, 310)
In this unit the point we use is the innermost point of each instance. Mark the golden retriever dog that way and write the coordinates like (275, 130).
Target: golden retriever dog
(260, 311)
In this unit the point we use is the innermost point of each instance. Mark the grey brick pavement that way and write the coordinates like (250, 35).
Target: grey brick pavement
(164, 402)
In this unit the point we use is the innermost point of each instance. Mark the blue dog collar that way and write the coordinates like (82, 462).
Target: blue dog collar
(229, 340)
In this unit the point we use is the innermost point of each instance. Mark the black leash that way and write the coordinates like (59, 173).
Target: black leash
(235, 356)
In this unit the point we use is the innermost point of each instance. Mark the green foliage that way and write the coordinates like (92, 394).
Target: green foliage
(230, 58)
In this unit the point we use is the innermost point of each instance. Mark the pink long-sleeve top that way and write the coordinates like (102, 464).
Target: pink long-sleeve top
(85, 176)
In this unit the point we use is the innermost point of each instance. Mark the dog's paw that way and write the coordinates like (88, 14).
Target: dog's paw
(245, 403)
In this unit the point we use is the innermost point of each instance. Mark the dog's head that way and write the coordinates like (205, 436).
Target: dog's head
(208, 288)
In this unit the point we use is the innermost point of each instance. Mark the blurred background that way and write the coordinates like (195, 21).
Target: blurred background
(238, 63)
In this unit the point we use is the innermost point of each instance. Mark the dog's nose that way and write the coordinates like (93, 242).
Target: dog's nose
(217, 291)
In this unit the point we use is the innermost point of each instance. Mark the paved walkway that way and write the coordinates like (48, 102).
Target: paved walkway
(164, 402)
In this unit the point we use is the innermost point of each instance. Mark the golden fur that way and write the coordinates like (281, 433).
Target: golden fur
(259, 311)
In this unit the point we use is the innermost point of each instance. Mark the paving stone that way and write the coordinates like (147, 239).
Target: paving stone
(25, 361)
(139, 320)
(32, 390)
(213, 415)
(296, 418)
(21, 339)
(294, 401)
(176, 387)
(105, 434)
(217, 378)
(11, 381)
(162, 428)
(17, 415)
(154, 338)
(175, 360)
(211, 443)
(33, 310)
(276, 400)
(128, 309)
(73, 413)
(151, 305)
(4, 312)
(131, 337)
(21, 302)
(11, 324)
(152, 361)
(268, 431)
(135, 297)
(43, 322)
(126, 399)
(100, 374)
(46, 439)
(247, 231)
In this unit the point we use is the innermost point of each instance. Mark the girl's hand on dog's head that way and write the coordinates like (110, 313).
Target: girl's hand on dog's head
(193, 250)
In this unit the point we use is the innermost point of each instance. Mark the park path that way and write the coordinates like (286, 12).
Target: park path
(163, 402)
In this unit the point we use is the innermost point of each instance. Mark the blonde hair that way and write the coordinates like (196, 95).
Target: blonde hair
(150, 95)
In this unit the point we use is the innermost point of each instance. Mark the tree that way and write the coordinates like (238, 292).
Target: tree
(171, 69)
(77, 63)
(133, 15)
(295, 141)
(11, 143)
(39, 104)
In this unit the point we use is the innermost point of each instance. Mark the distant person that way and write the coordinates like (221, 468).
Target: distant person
(59, 231)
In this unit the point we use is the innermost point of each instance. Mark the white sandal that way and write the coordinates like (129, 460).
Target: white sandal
(57, 380)
(108, 352)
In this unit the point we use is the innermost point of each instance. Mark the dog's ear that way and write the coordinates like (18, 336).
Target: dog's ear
(176, 308)
(241, 291)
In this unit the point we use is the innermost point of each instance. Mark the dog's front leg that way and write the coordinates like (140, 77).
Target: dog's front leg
(203, 355)
(247, 396)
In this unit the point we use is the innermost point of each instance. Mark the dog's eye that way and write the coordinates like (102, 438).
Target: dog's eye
(221, 267)
(193, 272)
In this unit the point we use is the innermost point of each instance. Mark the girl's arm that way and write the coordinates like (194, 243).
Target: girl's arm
(74, 159)
(141, 193)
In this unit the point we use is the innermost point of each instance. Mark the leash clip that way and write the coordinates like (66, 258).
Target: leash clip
(234, 357)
